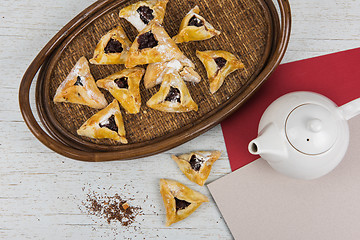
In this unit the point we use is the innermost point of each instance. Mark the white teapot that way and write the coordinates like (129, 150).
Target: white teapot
(304, 134)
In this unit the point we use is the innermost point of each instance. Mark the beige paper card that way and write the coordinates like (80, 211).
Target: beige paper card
(259, 203)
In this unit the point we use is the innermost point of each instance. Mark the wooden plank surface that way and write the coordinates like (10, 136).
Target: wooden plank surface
(41, 192)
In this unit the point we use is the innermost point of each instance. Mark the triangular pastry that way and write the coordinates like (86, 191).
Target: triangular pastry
(107, 123)
(180, 201)
(197, 165)
(152, 45)
(112, 48)
(173, 96)
(195, 28)
(79, 87)
(185, 67)
(218, 64)
(144, 13)
(124, 86)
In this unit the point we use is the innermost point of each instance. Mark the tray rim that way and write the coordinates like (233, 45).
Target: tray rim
(157, 145)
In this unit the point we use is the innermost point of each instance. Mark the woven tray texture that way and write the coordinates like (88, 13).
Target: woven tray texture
(244, 27)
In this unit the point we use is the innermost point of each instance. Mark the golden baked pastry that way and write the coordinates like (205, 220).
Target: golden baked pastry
(124, 86)
(144, 13)
(112, 48)
(195, 28)
(79, 87)
(152, 45)
(173, 96)
(197, 165)
(107, 123)
(180, 201)
(185, 67)
(218, 64)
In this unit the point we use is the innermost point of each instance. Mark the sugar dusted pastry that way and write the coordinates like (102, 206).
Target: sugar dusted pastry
(195, 28)
(79, 87)
(124, 86)
(155, 72)
(197, 165)
(190, 75)
(112, 48)
(173, 96)
(107, 123)
(152, 45)
(180, 201)
(218, 64)
(144, 13)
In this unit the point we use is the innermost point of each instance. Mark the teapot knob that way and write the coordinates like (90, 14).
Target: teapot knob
(315, 125)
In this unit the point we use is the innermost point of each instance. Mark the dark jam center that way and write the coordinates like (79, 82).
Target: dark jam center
(147, 40)
(194, 21)
(111, 124)
(78, 82)
(173, 95)
(113, 46)
(181, 204)
(146, 14)
(220, 62)
(122, 82)
(195, 163)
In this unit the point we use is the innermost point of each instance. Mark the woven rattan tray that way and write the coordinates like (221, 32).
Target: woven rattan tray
(251, 29)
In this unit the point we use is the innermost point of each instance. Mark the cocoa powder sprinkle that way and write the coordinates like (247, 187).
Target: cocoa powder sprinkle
(111, 208)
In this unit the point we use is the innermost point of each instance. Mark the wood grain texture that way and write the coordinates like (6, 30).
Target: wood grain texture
(41, 191)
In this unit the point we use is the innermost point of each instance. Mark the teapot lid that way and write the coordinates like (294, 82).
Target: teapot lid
(311, 129)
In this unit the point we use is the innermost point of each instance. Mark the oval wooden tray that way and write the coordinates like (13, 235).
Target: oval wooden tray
(251, 29)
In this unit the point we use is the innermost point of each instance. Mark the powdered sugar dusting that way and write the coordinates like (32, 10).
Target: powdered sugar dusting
(186, 62)
(135, 20)
(163, 49)
(98, 97)
(105, 119)
(174, 64)
(77, 69)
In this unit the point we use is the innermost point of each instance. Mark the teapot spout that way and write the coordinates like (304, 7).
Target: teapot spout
(269, 144)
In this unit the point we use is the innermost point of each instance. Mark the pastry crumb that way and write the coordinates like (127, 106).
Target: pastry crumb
(125, 206)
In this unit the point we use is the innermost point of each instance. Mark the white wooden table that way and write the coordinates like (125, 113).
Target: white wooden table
(41, 192)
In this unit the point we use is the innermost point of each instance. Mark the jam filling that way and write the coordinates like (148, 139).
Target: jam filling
(196, 163)
(173, 95)
(220, 62)
(146, 14)
(110, 124)
(113, 46)
(122, 82)
(78, 82)
(181, 204)
(147, 40)
(194, 21)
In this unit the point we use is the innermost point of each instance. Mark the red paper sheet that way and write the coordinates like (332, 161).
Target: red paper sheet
(337, 76)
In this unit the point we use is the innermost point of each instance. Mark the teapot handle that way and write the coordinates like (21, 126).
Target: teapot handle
(350, 109)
